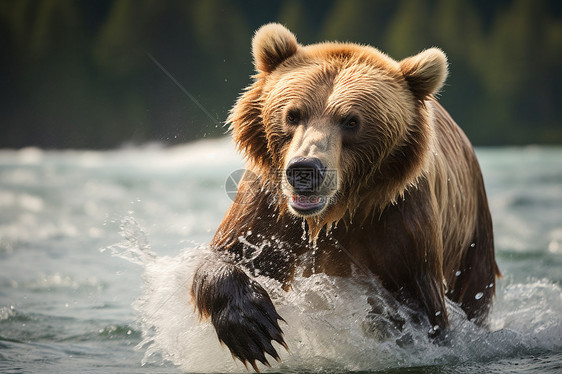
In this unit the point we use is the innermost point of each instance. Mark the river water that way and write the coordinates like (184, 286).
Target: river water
(97, 250)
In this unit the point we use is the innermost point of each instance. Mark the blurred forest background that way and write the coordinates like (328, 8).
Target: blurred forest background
(77, 74)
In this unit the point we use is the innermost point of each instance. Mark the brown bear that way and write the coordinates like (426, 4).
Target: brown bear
(353, 143)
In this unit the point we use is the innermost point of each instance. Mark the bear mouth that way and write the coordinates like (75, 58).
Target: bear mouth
(307, 205)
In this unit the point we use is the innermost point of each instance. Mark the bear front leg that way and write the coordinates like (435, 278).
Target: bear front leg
(240, 309)
(409, 234)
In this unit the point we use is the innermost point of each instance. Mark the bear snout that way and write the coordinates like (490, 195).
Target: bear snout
(305, 175)
(308, 185)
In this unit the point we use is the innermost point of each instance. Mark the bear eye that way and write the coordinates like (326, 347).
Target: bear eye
(293, 117)
(350, 123)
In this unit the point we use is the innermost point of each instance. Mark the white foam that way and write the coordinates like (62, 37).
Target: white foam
(327, 319)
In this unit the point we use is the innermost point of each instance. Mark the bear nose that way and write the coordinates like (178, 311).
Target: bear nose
(305, 175)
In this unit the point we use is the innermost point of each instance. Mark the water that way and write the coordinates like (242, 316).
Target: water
(68, 306)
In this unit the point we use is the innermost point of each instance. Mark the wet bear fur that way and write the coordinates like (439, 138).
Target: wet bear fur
(408, 203)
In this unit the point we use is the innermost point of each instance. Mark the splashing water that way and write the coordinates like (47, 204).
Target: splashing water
(330, 323)
(64, 307)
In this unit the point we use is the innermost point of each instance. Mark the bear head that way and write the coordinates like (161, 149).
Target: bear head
(335, 130)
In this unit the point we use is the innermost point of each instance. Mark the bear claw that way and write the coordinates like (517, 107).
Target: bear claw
(247, 323)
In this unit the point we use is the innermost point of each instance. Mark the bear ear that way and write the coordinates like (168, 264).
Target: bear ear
(272, 44)
(425, 72)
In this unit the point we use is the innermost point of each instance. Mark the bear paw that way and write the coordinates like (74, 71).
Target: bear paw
(247, 322)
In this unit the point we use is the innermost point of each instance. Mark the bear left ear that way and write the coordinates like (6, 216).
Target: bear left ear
(425, 72)
(272, 45)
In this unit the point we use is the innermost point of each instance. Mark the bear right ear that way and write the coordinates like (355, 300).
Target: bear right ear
(425, 72)
(272, 44)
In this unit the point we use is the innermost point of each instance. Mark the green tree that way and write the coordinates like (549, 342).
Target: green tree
(410, 31)
(359, 21)
(520, 70)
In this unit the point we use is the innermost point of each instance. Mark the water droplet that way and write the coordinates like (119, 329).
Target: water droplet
(479, 295)
(458, 273)
(314, 249)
